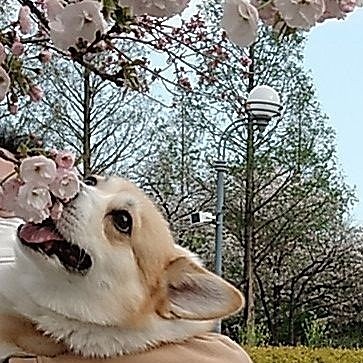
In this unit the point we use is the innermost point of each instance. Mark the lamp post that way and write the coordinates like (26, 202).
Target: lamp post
(263, 103)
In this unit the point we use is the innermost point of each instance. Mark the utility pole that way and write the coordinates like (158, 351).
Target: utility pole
(249, 313)
(248, 230)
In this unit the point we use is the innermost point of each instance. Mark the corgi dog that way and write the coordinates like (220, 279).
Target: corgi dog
(106, 279)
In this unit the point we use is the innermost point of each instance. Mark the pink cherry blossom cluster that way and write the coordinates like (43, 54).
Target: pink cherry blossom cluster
(76, 28)
(41, 187)
(240, 19)
(12, 53)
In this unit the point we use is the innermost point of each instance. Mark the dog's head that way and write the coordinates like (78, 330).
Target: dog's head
(111, 260)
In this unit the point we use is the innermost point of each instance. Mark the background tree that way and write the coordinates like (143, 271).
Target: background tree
(111, 131)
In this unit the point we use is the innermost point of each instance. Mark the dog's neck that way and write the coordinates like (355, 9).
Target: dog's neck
(90, 339)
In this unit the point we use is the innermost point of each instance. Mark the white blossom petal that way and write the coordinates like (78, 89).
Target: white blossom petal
(239, 20)
(302, 14)
(157, 8)
(33, 203)
(38, 170)
(66, 185)
(76, 21)
(4, 83)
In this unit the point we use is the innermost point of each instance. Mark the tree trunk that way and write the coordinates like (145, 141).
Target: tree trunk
(291, 324)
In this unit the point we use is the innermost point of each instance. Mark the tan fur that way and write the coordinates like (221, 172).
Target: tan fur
(23, 333)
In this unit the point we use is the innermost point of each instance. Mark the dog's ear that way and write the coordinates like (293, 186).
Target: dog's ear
(197, 294)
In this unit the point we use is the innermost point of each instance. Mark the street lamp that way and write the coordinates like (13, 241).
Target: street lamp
(263, 104)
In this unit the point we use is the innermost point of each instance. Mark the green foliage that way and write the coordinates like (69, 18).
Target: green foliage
(303, 355)
(257, 335)
(316, 333)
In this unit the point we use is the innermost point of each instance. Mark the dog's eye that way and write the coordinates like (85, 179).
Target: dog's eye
(90, 180)
(122, 220)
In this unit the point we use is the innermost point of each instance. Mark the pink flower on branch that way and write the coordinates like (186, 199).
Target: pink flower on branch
(268, 13)
(45, 56)
(17, 48)
(73, 22)
(65, 160)
(54, 8)
(41, 187)
(38, 170)
(2, 54)
(35, 93)
(157, 8)
(56, 211)
(33, 203)
(13, 108)
(4, 83)
(239, 20)
(66, 185)
(335, 9)
(301, 14)
(24, 20)
(9, 194)
(347, 6)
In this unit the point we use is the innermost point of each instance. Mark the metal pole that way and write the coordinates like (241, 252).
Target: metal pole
(221, 167)
(248, 229)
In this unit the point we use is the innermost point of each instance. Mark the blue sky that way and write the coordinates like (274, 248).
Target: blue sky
(334, 54)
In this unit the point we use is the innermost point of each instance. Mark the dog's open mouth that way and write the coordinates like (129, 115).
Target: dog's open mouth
(44, 238)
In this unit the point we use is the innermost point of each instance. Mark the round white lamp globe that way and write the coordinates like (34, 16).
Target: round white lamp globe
(263, 101)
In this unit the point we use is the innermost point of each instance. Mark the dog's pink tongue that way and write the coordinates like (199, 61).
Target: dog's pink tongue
(33, 233)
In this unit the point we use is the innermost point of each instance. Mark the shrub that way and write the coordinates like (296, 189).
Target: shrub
(304, 355)
(315, 333)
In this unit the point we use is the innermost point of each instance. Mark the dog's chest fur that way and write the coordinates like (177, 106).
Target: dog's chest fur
(49, 333)
(37, 330)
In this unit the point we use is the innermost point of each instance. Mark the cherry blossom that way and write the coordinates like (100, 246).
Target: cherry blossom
(348, 6)
(157, 8)
(13, 108)
(239, 20)
(45, 56)
(38, 170)
(66, 185)
(40, 186)
(267, 11)
(56, 211)
(9, 193)
(53, 7)
(35, 93)
(65, 24)
(73, 22)
(4, 83)
(2, 54)
(302, 14)
(65, 159)
(335, 9)
(17, 48)
(24, 20)
(33, 203)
